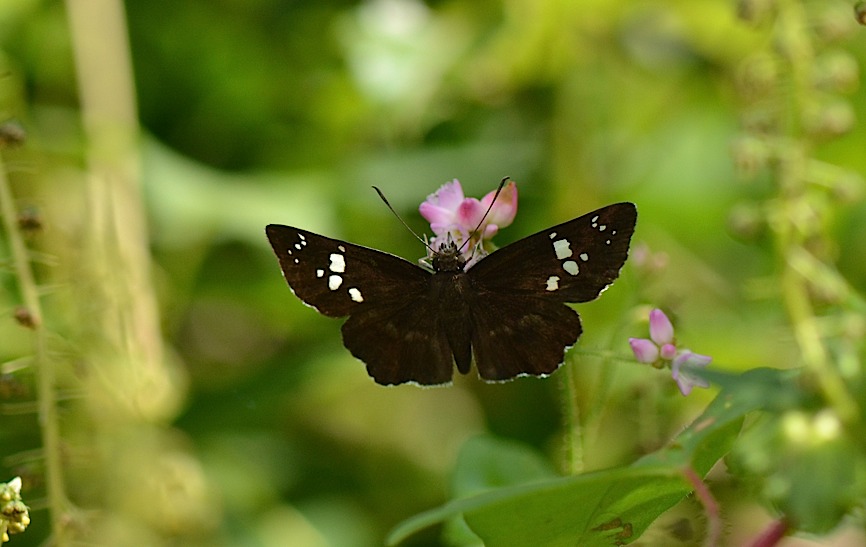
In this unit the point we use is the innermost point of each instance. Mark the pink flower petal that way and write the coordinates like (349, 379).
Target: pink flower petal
(442, 228)
(668, 352)
(436, 216)
(684, 384)
(505, 208)
(684, 367)
(688, 358)
(645, 351)
(469, 214)
(441, 206)
(661, 329)
(489, 231)
(449, 195)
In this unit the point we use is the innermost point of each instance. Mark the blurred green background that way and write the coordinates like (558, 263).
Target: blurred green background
(276, 111)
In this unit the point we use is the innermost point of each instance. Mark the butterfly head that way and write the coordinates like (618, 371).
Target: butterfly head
(447, 258)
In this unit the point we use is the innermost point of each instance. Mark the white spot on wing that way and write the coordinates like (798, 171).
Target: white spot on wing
(602, 228)
(584, 257)
(562, 248)
(552, 235)
(334, 282)
(552, 283)
(355, 294)
(298, 246)
(338, 263)
(301, 236)
(320, 273)
(571, 267)
(342, 249)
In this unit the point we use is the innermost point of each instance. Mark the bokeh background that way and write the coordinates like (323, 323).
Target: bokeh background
(251, 424)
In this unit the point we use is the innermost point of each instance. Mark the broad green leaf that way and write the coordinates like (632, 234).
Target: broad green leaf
(486, 462)
(607, 507)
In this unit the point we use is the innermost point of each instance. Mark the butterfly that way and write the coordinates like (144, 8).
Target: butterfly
(408, 324)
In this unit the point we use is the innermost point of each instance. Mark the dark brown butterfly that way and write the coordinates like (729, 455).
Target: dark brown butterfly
(507, 310)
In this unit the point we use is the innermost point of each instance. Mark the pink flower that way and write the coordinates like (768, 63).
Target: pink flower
(453, 215)
(684, 365)
(661, 350)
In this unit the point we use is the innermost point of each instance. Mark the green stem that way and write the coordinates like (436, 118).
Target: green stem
(43, 366)
(574, 463)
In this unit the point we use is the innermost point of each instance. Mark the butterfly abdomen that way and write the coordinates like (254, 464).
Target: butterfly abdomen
(451, 293)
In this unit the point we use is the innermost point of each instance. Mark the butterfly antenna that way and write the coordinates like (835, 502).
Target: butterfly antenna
(487, 212)
(403, 222)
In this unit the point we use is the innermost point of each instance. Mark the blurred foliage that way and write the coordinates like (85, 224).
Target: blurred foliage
(160, 385)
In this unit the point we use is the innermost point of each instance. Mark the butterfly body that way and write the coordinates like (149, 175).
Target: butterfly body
(450, 290)
(506, 310)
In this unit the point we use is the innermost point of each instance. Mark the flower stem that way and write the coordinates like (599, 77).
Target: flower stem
(711, 507)
(43, 366)
(574, 464)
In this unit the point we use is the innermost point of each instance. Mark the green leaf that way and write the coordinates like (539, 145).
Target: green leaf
(486, 463)
(609, 507)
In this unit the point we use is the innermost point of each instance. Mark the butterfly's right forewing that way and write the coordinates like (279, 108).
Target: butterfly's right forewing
(337, 278)
(393, 323)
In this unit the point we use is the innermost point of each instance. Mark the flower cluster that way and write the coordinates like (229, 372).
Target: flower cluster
(14, 515)
(661, 349)
(454, 217)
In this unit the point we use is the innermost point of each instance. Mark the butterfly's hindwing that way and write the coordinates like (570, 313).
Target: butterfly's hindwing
(517, 335)
(570, 262)
(400, 344)
(337, 278)
(419, 341)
